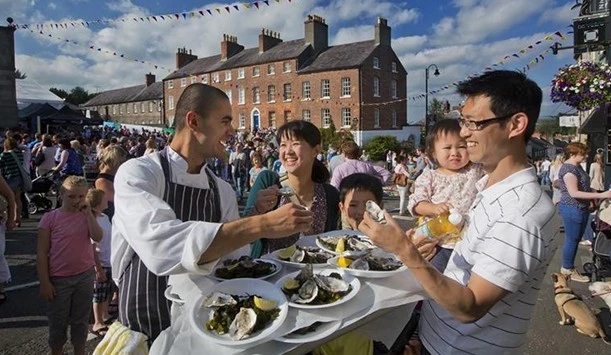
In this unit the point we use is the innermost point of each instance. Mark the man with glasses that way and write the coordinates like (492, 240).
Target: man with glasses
(484, 300)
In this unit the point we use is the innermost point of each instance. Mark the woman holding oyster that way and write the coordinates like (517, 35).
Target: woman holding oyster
(305, 183)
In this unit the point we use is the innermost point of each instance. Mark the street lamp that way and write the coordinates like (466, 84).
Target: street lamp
(426, 95)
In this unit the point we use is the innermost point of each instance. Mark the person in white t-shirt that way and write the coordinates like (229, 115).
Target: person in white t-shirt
(545, 164)
(483, 301)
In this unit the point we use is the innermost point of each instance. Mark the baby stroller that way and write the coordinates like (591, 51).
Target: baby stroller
(600, 267)
(37, 197)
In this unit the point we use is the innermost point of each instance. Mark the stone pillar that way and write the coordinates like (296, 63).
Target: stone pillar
(8, 96)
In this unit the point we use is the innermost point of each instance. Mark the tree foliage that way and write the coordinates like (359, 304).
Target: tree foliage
(552, 125)
(76, 96)
(378, 146)
(19, 75)
(332, 137)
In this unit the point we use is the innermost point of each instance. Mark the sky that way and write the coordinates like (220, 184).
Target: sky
(462, 37)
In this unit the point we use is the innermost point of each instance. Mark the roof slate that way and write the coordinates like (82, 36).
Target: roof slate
(342, 56)
(128, 94)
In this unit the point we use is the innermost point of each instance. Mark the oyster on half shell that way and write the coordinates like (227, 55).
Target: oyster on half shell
(219, 299)
(375, 212)
(243, 323)
(307, 292)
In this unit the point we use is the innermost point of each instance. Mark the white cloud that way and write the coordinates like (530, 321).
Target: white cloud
(126, 7)
(560, 14)
(52, 6)
(353, 34)
(338, 11)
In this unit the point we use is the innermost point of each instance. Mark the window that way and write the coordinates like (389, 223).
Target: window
(241, 96)
(271, 93)
(135, 107)
(120, 109)
(142, 107)
(376, 63)
(346, 117)
(240, 73)
(393, 66)
(171, 102)
(159, 104)
(271, 69)
(325, 88)
(376, 86)
(287, 92)
(256, 95)
(255, 71)
(241, 120)
(376, 117)
(306, 92)
(394, 118)
(228, 75)
(393, 89)
(150, 106)
(215, 77)
(287, 116)
(205, 78)
(193, 79)
(183, 82)
(228, 93)
(114, 109)
(325, 115)
(306, 115)
(171, 84)
(127, 108)
(286, 67)
(272, 119)
(345, 87)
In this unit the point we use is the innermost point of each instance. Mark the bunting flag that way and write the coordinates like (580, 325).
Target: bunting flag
(256, 5)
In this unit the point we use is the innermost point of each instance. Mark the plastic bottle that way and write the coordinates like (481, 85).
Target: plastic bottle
(441, 225)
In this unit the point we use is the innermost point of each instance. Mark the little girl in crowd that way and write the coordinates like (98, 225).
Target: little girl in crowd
(450, 186)
(65, 265)
(103, 285)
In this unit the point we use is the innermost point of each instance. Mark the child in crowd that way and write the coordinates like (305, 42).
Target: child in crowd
(103, 285)
(354, 192)
(65, 265)
(450, 186)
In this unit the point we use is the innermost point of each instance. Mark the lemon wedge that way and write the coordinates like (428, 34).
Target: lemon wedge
(265, 305)
(287, 252)
(341, 246)
(342, 261)
(290, 284)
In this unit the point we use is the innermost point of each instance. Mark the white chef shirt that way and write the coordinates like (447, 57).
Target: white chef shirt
(144, 223)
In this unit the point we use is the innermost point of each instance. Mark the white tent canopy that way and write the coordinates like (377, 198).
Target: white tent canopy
(29, 92)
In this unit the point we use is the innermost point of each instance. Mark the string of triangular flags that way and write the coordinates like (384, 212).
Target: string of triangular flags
(255, 5)
(507, 58)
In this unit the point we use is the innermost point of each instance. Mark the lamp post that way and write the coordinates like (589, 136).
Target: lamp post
(426, 95)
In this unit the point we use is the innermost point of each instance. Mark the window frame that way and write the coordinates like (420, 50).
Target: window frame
(241, 73)
(349, 111)
(376, 86)
(325, 114)
(348, 87)
(271, 93)
(285, 97)
(306, 94)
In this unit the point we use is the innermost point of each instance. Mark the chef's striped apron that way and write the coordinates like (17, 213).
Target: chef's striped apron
(142, 305)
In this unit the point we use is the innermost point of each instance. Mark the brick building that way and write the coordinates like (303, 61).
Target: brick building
(301, 79)
(138, 105)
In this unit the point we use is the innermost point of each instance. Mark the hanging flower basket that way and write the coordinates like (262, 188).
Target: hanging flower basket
(584, 85)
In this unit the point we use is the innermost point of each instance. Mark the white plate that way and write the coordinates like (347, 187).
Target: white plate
(270, 261)
(323, 331)
(172, 296)
(306, 241)
(199, 315)
(353, 281)
(366, 273)
(340, 233)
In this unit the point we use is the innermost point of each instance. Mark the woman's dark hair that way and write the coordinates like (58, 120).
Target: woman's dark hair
(65, 143)
(47, 142)
(361, 182)
(441, 127)
(306, 131)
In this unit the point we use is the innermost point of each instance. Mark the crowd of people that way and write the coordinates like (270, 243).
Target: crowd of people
(180, 194)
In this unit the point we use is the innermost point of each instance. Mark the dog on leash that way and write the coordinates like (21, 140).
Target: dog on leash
(603, 290)
(573, 310)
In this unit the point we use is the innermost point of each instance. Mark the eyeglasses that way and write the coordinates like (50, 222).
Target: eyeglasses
(478, 125)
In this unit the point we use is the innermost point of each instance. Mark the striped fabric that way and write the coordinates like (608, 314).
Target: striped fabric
(8, 166)
(511, 237)
(142, 304)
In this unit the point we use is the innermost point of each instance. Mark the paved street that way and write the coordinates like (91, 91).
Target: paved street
(23, 324)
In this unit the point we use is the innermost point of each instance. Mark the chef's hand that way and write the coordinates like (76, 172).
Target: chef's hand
(266, 200)
(287, 220)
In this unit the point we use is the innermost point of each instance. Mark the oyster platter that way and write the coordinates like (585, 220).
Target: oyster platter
(321, 289)
(246, 267)
(345, 243)
(375, 264)
(239, 312)
(300, 255)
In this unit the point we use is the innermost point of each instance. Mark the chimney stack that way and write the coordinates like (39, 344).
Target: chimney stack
(149, 79)
(382, 32)
(268, 39)
(183, 57)
(317, 33)
(230, 47)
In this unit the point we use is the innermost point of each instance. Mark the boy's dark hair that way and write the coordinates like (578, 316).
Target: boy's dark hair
(510, 92)
(441, 127)
(361, 182)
